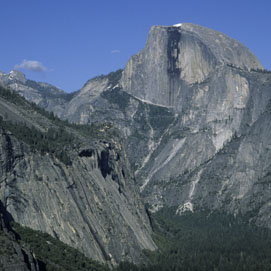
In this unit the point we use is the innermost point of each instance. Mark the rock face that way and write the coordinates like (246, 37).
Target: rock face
(191, 94)
(91, 204)
(178, 56)
(12, 255)
(194, 110)
(183, 103)
(43, 94)
(188, 171)
(219, 93)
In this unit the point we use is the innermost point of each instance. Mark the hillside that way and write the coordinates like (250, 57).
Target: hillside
(71, 181)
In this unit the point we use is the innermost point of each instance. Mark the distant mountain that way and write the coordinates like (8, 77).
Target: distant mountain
(193, 111)
(43, 94)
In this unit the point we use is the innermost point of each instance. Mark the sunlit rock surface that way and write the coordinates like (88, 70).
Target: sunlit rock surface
(194, 110)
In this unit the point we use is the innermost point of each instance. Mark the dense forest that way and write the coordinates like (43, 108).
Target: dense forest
(52, 254)
(194, 241)
(206, 241)
(58, 137)
(53, 141)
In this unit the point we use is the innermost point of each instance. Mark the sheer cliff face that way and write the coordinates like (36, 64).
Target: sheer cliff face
(178, 56)
(194, 109)
(207, 159)
(91, 204)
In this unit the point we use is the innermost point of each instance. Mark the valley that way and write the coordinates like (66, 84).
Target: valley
(145, 155)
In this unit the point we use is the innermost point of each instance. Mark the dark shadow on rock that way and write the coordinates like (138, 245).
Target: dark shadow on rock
(5, 218)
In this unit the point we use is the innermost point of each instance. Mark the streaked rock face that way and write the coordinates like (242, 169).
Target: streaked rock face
(176, 57)
(219, 93)
(92, 205)
(194, 110)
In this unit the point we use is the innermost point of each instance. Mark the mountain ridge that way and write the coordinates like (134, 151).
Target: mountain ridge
(71, 182)
(194, 122)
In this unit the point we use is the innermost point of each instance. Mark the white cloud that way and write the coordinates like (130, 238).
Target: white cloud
(115, 51)
(31, 65)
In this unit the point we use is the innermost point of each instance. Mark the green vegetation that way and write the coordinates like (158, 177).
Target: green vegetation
(261, 70)
(113, 77)
(60, 137)
(106, 130)
(192, 242)
(12, 96)
(54, 254)
(115, 95)
(6, 245)
(53, 141)
(160, 117)
(203, 241)
(50, 91)
(253, 70)
(118, 97)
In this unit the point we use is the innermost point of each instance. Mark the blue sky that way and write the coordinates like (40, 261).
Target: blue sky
(67, 42)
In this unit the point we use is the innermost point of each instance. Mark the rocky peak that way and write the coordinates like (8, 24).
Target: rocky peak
(17, 75)
(225, 49)
(219, 93)
(13, 77)
(178, 56)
